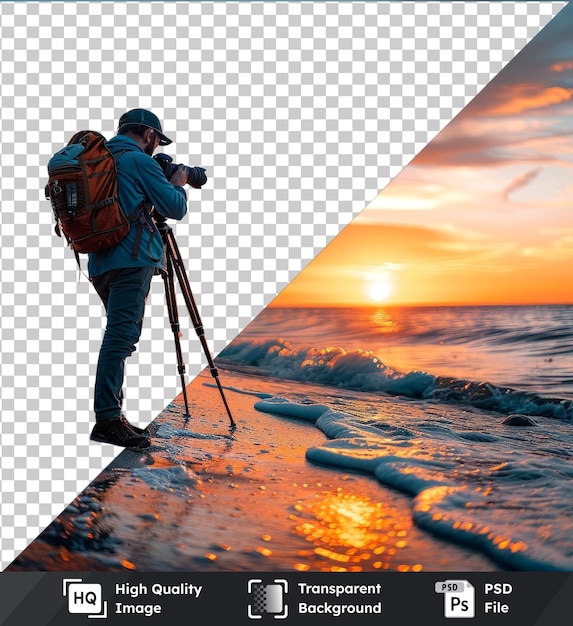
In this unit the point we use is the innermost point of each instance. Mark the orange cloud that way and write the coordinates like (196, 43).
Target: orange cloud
(519, 182)
(525, 97)
(562, 67)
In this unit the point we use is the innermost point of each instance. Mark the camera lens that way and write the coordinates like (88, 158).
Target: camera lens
(196, 177)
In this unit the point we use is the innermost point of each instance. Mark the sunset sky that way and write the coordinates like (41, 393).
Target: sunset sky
(482, 215)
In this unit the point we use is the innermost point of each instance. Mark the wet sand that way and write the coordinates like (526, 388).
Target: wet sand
(203, 498)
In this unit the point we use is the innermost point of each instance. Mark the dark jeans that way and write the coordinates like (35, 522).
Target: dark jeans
(123, 292)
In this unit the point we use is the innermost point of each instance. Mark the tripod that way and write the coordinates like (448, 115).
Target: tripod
(175, 267)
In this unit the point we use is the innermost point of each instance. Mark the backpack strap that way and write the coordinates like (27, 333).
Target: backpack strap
(140, 215)
(143, 209)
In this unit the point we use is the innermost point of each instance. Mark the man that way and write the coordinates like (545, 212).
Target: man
(122, 275)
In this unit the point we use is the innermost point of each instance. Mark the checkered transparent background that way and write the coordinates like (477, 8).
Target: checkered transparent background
(300, 112)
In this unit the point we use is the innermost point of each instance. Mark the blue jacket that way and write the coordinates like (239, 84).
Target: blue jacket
(140, 179)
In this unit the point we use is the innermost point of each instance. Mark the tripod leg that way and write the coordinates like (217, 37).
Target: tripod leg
(174, 320)
(175, 261)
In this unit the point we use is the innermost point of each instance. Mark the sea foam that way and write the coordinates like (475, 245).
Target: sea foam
(491, 491)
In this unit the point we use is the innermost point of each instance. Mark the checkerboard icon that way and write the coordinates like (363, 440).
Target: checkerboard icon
(267, 599)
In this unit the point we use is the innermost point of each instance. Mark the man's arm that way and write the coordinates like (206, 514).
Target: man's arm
(168, 198)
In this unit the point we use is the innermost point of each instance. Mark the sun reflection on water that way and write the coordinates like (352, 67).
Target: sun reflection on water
(383, 321)
(350, 533)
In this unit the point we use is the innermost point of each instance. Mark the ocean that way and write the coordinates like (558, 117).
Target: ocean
(468, 410)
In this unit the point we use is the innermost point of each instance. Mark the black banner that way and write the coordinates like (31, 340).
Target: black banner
(76, 598)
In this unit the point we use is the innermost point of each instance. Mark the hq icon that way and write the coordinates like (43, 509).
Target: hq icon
(84, 598)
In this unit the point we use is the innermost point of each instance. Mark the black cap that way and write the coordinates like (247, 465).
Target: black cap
(144, 118)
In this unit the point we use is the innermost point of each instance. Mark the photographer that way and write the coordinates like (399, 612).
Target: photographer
(122, 275)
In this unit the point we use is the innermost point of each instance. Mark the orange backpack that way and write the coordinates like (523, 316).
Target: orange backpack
(82, 189)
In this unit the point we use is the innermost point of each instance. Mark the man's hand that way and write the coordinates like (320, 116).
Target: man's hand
(179, 176)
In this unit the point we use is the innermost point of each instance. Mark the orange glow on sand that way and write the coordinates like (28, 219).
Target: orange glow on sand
(346, 531)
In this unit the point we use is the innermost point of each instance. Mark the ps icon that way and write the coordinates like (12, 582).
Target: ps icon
(267, 599)
(459, 598)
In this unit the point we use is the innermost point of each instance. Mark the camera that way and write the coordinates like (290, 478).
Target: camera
(196, 176)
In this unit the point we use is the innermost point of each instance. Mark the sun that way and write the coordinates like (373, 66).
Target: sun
(380, 291)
